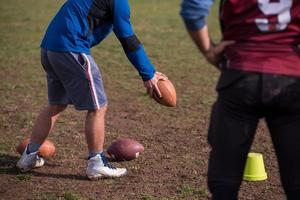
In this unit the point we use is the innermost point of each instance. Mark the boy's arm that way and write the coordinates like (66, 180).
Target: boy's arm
(132, 46)
(194, 13)
(99, 34)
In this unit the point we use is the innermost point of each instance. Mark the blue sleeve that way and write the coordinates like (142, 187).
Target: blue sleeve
(194, 13)
(133, 48)
(99, 34)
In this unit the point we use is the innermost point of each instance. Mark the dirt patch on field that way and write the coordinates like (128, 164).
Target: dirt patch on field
(174, 164)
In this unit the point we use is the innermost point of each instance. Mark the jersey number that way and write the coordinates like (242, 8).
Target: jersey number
(278, 15)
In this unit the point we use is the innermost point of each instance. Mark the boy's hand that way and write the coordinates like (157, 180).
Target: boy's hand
(215, 53)
(151, 85)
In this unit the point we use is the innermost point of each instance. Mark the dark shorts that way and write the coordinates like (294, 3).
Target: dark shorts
(243, 99)
(73, 79)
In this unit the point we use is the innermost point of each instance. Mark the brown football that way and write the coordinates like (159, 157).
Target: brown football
(168, 93)
(125, 149)
(46, 150)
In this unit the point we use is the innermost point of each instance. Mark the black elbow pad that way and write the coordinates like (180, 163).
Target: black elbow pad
(130, 44)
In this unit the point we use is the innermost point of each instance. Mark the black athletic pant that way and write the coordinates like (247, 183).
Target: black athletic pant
(244, 98)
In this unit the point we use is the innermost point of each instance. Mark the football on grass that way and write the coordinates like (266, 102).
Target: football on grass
(168, 93)
(46, 150)
(125, 149)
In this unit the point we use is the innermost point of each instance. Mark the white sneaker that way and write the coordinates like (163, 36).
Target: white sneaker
(29, 161)
(98, 167)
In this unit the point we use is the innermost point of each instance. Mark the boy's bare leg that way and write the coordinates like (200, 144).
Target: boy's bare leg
(45, 122)
(94, 129)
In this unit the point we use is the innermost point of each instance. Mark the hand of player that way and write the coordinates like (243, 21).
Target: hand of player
(216, 51)
(151, 85)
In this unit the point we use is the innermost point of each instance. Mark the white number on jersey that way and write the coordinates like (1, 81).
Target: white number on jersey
(281, 9)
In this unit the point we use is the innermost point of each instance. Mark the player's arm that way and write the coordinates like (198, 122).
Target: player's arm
(133, 48)
(99, 34)
(194, 13)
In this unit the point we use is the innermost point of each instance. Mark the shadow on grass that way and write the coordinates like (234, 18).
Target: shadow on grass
(110, 159)
(8, 167)
(60, 176)
(8, 164)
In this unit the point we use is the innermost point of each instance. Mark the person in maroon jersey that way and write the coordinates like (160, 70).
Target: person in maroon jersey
(259, 61)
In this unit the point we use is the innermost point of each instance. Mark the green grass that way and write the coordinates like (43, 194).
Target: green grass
(184, 192)
(189, 191)
(150, 197)
(68, 195)
(71, 196)
(23, 85)
(47, 197)
(23, 92)
(162, 34)
(23, 177)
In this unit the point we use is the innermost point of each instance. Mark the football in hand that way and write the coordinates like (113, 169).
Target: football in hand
(46, 150)
(125, 149)
(168, 93)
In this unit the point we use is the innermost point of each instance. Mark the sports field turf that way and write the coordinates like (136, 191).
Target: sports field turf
(175, 159)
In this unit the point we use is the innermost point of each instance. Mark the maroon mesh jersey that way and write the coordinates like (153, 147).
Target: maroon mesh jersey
(266, 32)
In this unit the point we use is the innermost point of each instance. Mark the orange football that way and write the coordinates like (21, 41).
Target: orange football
(46, 150)
(168, 93)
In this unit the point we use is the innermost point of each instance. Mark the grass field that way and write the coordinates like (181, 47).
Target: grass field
(175, 160)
